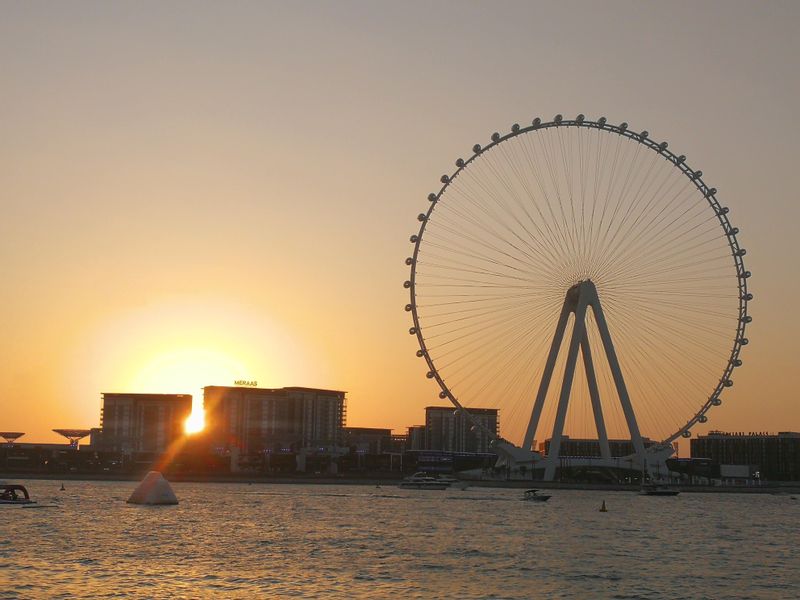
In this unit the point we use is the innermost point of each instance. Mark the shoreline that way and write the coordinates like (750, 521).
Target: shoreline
(781, 488)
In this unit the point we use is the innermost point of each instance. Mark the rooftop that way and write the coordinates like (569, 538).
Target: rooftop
(246, 388)
(752, 434)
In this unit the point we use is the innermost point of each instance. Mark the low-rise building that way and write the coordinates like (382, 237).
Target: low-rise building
(588, 447)
(451, 430)
(416, 438)
(776, 455)
(368, 440)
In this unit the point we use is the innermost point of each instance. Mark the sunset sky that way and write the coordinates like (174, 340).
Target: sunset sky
(194, 193)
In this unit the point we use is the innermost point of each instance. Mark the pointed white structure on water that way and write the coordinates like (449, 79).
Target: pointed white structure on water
(153, 489)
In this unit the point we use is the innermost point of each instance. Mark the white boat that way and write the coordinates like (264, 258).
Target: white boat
(451, 481)
(658, 489)
(15, 494)
(535, 496)
(421, 481)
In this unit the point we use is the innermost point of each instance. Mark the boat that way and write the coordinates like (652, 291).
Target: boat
(535, 496)
(421, 481)
(15, 494)
(658, 489)
(453, 482)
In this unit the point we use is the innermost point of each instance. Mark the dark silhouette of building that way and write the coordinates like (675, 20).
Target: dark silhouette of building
(451, 430)
(582, 447)
(368, 440)
(399, 443)
(416, 438)
(776, 455)
(142, 422)
(253, 420)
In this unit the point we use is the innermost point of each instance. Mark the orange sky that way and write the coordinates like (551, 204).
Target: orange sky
(195, 193)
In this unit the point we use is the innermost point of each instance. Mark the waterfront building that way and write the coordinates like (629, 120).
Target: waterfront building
(416, 438)
(774, 457)
(253, 420)
(142, 422)
(450, 430)
(368, 440)
(587, 447)
(399, 443)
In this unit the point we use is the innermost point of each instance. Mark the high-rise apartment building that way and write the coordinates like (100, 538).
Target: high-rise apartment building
(257, 419)
(142, 422)
(451, 430)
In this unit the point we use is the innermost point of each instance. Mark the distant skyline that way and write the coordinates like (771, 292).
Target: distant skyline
(195, 193)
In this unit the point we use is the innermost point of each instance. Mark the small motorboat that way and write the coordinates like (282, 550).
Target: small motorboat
(535, 496)
(420, 481)
(15, 494)
(453, 482)
(656, 489)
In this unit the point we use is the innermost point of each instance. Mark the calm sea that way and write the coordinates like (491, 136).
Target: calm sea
(319, 541)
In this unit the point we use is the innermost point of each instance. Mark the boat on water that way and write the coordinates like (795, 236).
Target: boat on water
(450, 481)
(422, 481)
(535, 496)
(658, 489)
(15, 494)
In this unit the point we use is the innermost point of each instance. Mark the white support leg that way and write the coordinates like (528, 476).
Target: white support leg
(594, 394)
(616, 372)
(578, 298)
(547, 375)
(578, 331)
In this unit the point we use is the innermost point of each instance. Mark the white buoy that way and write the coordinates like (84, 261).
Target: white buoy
(153, 489)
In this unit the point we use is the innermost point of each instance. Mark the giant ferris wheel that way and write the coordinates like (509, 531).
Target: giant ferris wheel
(583, 279)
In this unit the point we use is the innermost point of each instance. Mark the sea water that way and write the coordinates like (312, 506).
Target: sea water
(338, 541)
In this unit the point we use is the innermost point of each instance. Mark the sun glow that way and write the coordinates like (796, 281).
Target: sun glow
(182, 344)
(196, 421)
(187, 370)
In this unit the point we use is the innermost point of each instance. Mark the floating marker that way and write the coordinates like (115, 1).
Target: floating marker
(603, 508)
(153, 489)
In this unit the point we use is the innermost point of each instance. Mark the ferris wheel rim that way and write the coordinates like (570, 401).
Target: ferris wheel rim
(677, 161)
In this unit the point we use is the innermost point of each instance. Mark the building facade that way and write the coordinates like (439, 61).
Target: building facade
(368, 440)
(141, 422)
(585, 448)
(777, 456)
(254, 420)
(451, 430)
(416, 438)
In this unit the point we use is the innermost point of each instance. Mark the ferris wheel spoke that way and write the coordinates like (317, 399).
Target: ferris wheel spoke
(555, 243)
(663, 355)
(484, 227)
(627, 225)
(505, 258)
(670, 250)
(456, 368)
(658, 230)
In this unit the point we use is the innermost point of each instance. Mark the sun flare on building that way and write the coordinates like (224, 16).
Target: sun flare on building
(188, 370)
(196, 421)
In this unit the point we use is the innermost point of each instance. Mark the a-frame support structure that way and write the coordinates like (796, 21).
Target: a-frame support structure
(578, 299)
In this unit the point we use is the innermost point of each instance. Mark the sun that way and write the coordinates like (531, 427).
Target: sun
(196, 422)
